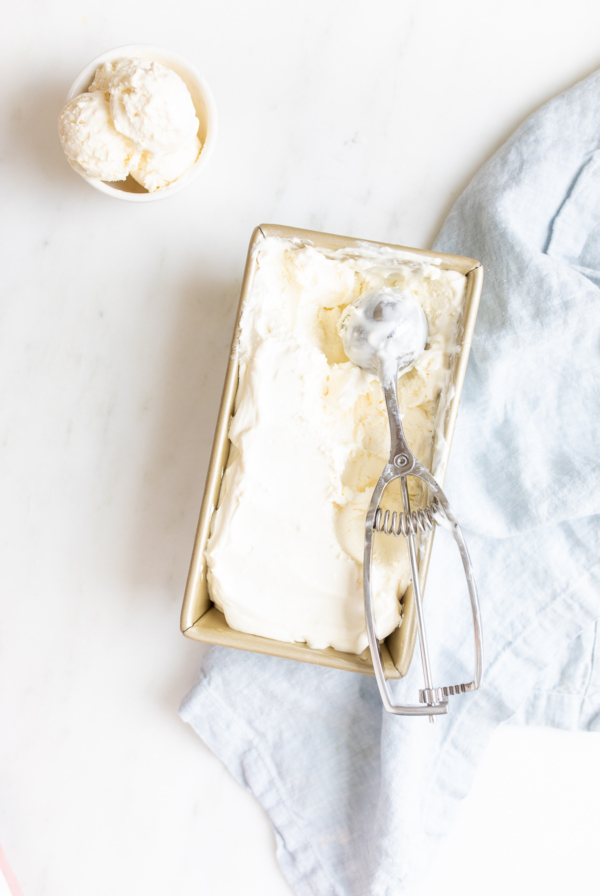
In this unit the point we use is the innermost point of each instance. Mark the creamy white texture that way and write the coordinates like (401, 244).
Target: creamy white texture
(90, 141)
(138, 118)
(149, 103)
(309, 440)
(155, 172)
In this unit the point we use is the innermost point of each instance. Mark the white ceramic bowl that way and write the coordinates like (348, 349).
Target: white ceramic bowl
(202, 98)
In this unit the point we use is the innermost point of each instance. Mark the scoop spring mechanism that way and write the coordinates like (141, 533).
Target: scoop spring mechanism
(407, 523)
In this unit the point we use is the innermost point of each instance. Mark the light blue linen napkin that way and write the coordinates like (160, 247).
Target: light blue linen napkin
(358, 798)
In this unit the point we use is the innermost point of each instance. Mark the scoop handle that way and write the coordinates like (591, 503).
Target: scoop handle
(431, 708)
(402, 458)
(402, 463)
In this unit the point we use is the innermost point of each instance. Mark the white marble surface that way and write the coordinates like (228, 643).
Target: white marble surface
(116, 319)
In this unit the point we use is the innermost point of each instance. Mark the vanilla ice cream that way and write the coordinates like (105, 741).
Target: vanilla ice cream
(153, 171)
(149, 103)
(91, 143)
(309, 439)
(137, 118)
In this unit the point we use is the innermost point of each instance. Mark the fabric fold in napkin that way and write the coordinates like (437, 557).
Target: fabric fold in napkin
(358, 798)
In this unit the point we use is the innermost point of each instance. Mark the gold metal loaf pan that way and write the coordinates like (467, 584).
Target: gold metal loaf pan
(200, 619)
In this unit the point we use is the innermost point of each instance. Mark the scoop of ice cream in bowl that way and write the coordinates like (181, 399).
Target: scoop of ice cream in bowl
(140, 123)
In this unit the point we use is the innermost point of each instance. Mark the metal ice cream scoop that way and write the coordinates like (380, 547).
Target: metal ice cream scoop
(385, 331)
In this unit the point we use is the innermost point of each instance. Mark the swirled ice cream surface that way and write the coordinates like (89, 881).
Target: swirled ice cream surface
(309, 440)
(137, 118)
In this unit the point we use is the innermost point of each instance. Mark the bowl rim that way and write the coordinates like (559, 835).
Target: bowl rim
(82, 82)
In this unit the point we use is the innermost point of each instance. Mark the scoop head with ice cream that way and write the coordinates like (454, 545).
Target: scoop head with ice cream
(384, 331)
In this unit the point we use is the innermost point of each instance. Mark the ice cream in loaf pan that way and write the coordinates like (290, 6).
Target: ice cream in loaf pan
(309, 438)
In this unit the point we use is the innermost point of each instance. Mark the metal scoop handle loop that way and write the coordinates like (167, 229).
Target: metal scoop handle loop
(434, 700)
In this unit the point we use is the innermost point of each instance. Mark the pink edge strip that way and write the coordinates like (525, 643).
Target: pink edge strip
(11, 880)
